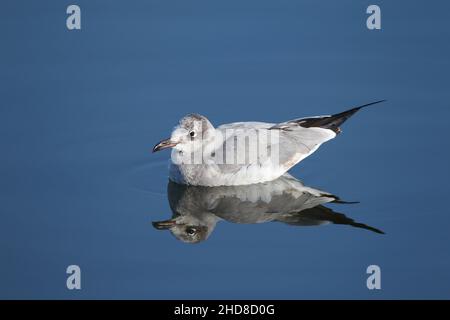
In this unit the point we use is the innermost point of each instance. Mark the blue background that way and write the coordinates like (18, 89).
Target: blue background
(81, 110)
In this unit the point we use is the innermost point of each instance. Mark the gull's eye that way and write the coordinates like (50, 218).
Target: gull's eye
(191, 231)
(192, 134)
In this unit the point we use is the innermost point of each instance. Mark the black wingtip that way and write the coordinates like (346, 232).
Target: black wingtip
(339, 201)
(367, 227)
(334, 121)
(370, 104)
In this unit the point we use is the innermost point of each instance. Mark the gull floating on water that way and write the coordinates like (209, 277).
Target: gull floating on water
(244, 153)
(197, 209)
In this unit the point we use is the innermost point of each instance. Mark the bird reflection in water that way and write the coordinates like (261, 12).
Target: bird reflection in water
(197, 210)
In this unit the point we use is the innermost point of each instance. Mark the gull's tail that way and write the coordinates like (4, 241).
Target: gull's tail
(333, 122)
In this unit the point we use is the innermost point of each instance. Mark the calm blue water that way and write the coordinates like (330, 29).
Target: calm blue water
(81, 110)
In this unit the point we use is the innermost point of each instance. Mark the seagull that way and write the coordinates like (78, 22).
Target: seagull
(197, 209)
(243, 153)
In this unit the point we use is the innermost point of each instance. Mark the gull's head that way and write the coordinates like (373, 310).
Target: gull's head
(191, 133)
(188, 229)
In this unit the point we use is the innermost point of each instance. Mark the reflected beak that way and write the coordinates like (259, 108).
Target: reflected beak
(164, 145)
(164, 225)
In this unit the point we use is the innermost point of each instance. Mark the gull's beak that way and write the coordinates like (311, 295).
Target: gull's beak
(164, 144)
(164, 225)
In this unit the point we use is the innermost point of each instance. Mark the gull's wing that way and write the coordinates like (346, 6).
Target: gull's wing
(295, 143)
(301, 137)
(290, 142)
(246, 125)
(231, 132)
(260, 202)
(321, 215)
(287, 143)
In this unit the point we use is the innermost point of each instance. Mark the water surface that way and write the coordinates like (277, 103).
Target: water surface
(81, 110)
